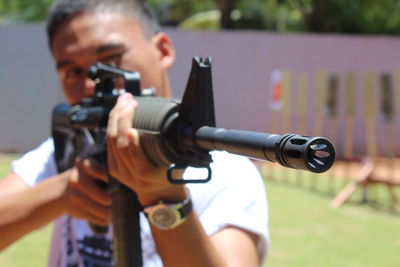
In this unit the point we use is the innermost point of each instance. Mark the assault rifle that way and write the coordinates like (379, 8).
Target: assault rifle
(174, 133)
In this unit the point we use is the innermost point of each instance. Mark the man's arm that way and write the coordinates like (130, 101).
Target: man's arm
(188, 243)
(237, 246)
(24, 209)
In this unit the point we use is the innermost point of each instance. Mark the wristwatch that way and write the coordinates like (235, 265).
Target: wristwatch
(167, 216)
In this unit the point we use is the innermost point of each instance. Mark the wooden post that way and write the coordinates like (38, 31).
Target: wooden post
(397, 105)
(302, 90)
(286, 100)
(321, 84)
(370, 113)
(387, 109)
(349, 104)
(286, 113)
(331, 104)
(319, 103)
(276, 102)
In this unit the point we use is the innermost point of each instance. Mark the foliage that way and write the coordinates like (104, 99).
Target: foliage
(356, 16)
(339, 16)
(207, 20)
(172, 12)
(23, 10)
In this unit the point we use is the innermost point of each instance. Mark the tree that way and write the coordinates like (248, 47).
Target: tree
(356, 16)
(339, 16)
(226, 7)
(23, 10)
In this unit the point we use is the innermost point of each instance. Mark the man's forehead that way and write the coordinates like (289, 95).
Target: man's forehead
(90, 32)
(99, 20)
(102, 21)
(102, 50)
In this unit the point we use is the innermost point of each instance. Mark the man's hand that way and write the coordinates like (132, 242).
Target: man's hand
(84, 197)
(75, 192)
(128, 163)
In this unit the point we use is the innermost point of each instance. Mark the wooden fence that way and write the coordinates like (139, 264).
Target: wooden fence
(345, 116)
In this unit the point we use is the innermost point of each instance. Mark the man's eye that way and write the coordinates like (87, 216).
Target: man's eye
(113, 60)
(72, 73)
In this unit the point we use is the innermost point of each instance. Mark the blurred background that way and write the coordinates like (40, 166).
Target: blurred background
(314, 67)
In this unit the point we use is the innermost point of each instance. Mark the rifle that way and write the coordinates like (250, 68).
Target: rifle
(174, 133)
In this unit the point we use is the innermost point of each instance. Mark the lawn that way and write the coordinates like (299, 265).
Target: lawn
(305, 230)
(31, 250)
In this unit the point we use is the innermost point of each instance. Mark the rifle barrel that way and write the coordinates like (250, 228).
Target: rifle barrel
(315, 154)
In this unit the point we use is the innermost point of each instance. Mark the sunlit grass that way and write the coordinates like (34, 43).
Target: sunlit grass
(305, 230)
(31, 250)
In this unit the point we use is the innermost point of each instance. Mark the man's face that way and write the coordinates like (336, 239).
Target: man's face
(109, 38)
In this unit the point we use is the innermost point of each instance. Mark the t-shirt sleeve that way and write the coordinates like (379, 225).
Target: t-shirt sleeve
(235, 196)
(37, 164)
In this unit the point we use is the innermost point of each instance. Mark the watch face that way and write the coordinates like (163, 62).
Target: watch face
(164, 217)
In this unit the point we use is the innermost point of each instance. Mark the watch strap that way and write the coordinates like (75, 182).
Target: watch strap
(186, 207)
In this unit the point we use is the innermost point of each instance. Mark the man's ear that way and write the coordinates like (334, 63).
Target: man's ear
(165, 48)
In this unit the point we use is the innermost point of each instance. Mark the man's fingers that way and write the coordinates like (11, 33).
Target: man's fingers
(133, 137)
(125, 122)
(121, 117)
(113, 117)
(92, 169)
(92, 218)
(118, 156)
(92, 189)
(99, 215)
(85, 208)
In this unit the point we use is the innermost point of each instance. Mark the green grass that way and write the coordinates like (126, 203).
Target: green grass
(305, 230)
(31, 250)
(5, 163)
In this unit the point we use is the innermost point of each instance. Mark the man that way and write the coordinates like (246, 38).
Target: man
(227, 225)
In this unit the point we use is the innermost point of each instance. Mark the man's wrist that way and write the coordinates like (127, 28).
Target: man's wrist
(166, 215)
(172, 194)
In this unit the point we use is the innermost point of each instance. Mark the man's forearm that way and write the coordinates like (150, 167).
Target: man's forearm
(30, 209)
(188, 243)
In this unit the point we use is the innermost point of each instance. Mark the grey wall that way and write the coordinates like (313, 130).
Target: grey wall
(244, 61)
(28, 87)
(242, 67)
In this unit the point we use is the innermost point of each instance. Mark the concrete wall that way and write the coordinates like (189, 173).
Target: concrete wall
(242, 66)
(28, 86)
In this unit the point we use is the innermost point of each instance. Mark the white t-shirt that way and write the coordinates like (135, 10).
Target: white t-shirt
(235, 196)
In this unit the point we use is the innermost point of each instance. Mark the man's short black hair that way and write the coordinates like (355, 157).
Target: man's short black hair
(139, 10)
